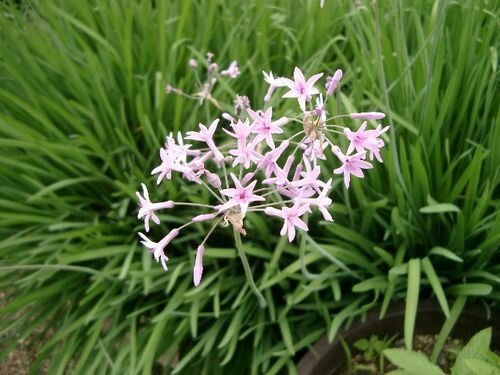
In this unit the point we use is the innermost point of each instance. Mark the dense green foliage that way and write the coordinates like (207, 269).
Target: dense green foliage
(83, 114)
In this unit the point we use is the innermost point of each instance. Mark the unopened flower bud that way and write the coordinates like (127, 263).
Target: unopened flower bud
(213, 179)
(333, 82)
(241, 103)
(198, 265)
(367, 115)
(228, 117)
(193, 63)
(213, 67)
(247, 178)
(203, 217)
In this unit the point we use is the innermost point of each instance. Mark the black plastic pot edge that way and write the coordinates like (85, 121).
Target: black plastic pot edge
(326, 359)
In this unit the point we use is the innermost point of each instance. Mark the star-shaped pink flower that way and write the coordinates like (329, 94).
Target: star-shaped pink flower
(322, 201)
(157, 248)
(148, 208)
(366, 139)
(291, 215)
(269, 161)
(240, 196)
(273, 83)
(300, 88)
(351, 165)
(233, 71)
(265, 127)
(206, 135)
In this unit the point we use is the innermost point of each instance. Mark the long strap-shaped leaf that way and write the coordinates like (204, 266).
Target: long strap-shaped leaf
(411, 301)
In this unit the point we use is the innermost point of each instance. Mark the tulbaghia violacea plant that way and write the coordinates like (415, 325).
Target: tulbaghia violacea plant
(266, 163)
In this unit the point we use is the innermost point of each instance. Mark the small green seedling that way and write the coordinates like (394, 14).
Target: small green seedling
(475, 358)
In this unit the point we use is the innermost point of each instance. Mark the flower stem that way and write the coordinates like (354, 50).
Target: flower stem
(248, 271)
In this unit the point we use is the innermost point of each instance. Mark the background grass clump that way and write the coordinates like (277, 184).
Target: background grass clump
(83, 113)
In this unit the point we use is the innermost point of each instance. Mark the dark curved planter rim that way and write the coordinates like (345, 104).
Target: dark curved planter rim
(326, 359)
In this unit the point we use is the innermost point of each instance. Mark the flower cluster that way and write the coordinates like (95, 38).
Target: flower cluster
(255, 161)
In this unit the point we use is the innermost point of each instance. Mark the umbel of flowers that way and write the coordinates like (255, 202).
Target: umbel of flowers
(264, 163)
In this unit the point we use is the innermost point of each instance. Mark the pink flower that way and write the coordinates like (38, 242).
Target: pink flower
(240, 196)
(366, 139)
(281, 174)
(264, 127)
(167, 166)
(198, 265)
(245, 154)
(269, 162)
(241, 130)
(314, 149)
(273, 83)
(320, 108)
(157, 248)
(351, 164)
(291, 216)
(173, 158)
(322, 202)
(309, 177)
(232, 71)
(300, 88)
(147, 210)
(333, 82)
(206, 135)
(178, 149)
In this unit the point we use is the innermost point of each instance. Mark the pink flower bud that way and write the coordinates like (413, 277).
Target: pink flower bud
(198, 265)
(247, 178)
(213, 179)
(227, 117)
(333, 82)
(203, 217)
(193, 63)
(367, 115)
(213, 67)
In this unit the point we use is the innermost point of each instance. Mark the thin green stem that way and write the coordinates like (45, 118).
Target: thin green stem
(302, 254)
(248, 270)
